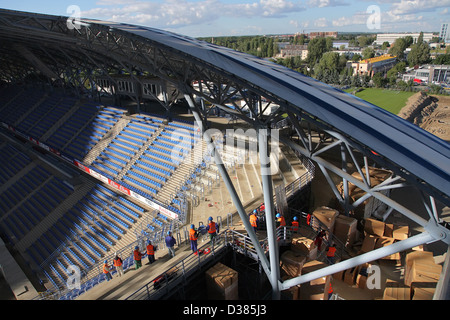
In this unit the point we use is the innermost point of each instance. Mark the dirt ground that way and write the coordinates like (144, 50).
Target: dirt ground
(431, 113)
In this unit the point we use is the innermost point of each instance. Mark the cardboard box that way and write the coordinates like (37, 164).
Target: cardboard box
(350, 275)
(400, 232)
(304, 246)
(222, 283)
(345, 229)
(368, 244)
(325, 215)
(388, 230)
(292, 263)
(423, 293)
(374, 227)
(361, 281)
(424, 257)
(396, 291)
(316, 289)
(292, 293)
(423, 274)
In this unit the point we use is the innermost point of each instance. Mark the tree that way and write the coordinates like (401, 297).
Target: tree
(420, 54)
(442, 59)
(385, 45)
(420, 38)
(379, 80)
(316, 48)
(409, 41)
(356, 57)
(368, 53)
(329, 62)
(398, 48)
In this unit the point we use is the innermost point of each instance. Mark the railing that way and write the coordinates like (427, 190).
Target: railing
(179, 272)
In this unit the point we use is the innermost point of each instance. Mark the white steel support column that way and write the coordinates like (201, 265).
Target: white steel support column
(266, 177)
(232, 191)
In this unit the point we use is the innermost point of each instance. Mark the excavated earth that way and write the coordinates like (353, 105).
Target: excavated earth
(431, 113)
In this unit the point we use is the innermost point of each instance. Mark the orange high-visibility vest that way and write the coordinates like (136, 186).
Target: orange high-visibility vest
(331, 251)
(308, 219)
(295, 225)
(282, 221)
(212, 227)
(192, 235)
(105, 268)
(253, 219)
(150, 250)
(137, 255)
(117, 262)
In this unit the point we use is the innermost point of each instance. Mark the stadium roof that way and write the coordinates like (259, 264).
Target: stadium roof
(50, 46)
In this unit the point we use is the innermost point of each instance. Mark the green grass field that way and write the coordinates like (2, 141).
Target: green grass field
(390, 100)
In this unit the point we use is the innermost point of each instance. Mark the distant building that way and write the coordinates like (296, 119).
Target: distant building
(323, 34)
(294, 50)
(429, 74)
(444, 34)
(391, 37)
(349, 52)
(338, 43)
(374, 65)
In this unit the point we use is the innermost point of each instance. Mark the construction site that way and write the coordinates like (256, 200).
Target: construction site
(313, 194)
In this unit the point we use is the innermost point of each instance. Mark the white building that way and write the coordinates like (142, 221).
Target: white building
(444, 34)
(391, 37)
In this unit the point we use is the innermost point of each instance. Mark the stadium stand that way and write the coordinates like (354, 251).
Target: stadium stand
(40, 212)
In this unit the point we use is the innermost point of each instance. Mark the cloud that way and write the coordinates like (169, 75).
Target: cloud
(415, 6)
(326, 3)
(179, 13)
(321, 23)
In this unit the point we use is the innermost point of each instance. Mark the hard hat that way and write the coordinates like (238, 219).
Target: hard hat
(278, 215)
(149, 242)
(106, 261)
(295, 218)
(192, 226)
(254, 211)
(136, 248)
(210, 218)
(169, 232)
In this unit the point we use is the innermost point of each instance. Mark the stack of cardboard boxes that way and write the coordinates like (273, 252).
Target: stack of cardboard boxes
(380, 234)
(325, 215)
(420, 278)
(222, 283)
(304, 246)
(316, 289)
(421, 274)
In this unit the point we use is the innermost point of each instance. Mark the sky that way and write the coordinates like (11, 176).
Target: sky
(205, 18)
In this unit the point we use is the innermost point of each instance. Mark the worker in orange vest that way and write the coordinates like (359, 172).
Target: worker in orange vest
(281, 222)
(193, 236)
(262, 207)
(137, 255)
(330, 253)
(254, 220)
(150, 252)
(117, 262)
(295, 224)
(213, 230)
(330, 291)
(308, 219)
(106, 270)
